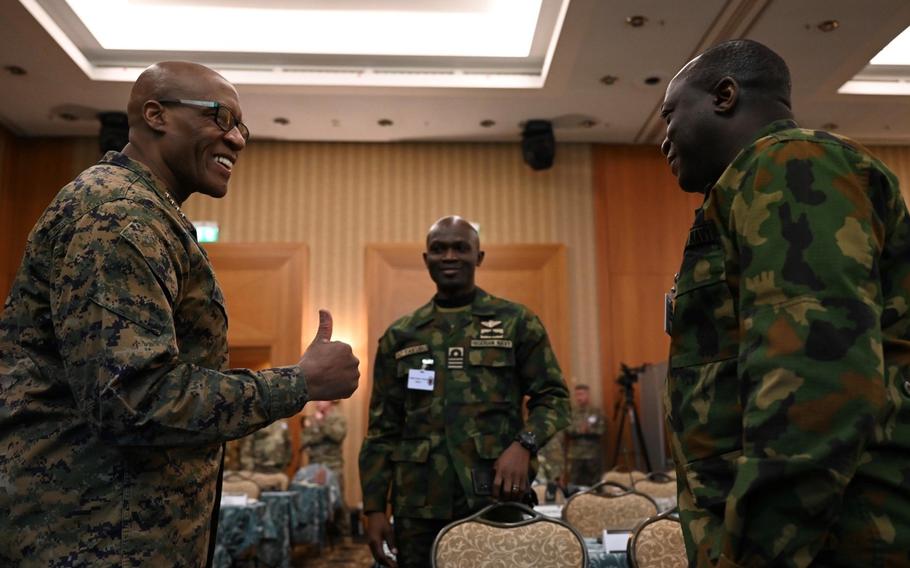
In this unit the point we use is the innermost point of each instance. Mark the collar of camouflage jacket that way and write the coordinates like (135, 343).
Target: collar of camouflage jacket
(148, 178)
(776, 126)
(482, 306)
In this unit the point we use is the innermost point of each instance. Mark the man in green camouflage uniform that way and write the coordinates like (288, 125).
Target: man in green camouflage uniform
(446, 432)
(267, 450)
(114, 402)
(787, 399)
(585, 435)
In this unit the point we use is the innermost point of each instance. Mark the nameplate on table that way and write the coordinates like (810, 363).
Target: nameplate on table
(235, 499)
(615, 541)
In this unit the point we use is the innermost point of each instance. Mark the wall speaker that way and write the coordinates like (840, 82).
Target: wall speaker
(538, 145)
(115, 131)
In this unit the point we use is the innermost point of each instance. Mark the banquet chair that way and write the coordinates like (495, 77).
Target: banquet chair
(607, 506)
(658, 543)
(535, 540)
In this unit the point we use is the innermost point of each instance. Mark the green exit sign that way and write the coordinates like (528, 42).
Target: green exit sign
(206, 231)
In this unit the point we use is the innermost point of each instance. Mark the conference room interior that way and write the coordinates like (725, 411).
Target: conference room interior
(551, 149)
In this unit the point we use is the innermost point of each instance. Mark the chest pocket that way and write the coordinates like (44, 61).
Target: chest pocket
(705, 327)
(492, 372)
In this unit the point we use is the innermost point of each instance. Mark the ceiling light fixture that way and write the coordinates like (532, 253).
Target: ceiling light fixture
(496, 28)
(384, 122)
(609, 79)
(15, 70)
(828, 25)
(281, 120)
(636, 21)
(487, 123)
(652, 80)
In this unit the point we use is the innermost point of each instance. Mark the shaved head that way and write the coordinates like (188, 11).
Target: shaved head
(453, 254)
(454, 221)
(175, 129)
(171, 80)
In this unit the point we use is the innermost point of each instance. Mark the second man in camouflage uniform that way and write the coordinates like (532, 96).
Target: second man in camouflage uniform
(788, 396)
(446, 433)
(585, 436)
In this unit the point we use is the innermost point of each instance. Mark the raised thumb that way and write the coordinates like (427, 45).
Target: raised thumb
(324, 333)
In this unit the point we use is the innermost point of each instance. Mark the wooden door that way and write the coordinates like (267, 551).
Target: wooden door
(265, 297)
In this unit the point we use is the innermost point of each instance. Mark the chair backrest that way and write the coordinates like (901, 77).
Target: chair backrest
(657, 489)
(658, 543)
(606, 506)
(478, 542)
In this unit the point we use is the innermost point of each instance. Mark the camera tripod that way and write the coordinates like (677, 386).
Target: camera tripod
(625, 410)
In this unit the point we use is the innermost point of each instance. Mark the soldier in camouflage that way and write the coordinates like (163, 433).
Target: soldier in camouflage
(788, 396)
(267, 450)
(322, 435)
(114, 401)
(445, 429)
(585, 435)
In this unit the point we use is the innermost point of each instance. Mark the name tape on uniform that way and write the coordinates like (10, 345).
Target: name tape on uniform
(503, 343)
(411, 351)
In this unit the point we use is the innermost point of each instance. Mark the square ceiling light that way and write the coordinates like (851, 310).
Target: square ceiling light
(888, 73)
(412, 43)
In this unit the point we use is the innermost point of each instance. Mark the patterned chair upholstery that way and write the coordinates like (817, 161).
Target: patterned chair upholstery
(607, 506)
(265, 481)
(657, 489)
(477, 542)
(658, 543)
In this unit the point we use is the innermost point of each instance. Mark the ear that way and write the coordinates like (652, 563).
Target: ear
(480, 257)
(154, 115)
(425, 260)
(726, 95)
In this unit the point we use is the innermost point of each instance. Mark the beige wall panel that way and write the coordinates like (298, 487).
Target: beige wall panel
(338, 197)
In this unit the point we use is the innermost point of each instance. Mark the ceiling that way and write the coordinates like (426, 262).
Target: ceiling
(595, 41)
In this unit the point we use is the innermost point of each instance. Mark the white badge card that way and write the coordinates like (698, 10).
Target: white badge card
(421, 379)
(615, 541)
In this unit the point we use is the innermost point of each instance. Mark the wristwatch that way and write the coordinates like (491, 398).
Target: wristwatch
(528, 441)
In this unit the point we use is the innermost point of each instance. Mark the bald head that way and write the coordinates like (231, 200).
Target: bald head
(185, 125)
(458, 223)
(453, 253)
(173, 80)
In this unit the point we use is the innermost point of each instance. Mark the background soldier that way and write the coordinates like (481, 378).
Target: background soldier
(552, 466)
(267, 450)
(788, 392)
(585, 437)
(446, 431)
(321, 436)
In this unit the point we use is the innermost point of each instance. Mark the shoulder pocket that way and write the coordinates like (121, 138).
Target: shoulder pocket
(150, 247)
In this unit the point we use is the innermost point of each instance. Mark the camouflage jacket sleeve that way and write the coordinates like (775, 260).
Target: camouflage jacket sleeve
(806, 224)
(119, 275)
(386, 422)
(542, 382)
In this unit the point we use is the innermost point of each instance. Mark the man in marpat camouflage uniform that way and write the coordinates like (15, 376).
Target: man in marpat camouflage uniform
(585, 436)
(267, 450)
(114, 405)
(445, 431)
(322, 434)
(788, 396)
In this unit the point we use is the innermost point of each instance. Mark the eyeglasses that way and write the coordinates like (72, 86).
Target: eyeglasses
(224, 118)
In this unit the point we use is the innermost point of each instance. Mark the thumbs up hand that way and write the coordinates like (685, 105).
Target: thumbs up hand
(329, 367)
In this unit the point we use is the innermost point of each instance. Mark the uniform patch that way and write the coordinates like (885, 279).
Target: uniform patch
(490, 323)
(487, 333)
(411, 350)
(455, 358)
(502, 343)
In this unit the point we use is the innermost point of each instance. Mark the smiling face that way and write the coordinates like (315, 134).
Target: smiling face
(452, 256)
(199, 154)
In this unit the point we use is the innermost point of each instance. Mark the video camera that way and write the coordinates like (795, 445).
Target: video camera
(629, 375)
